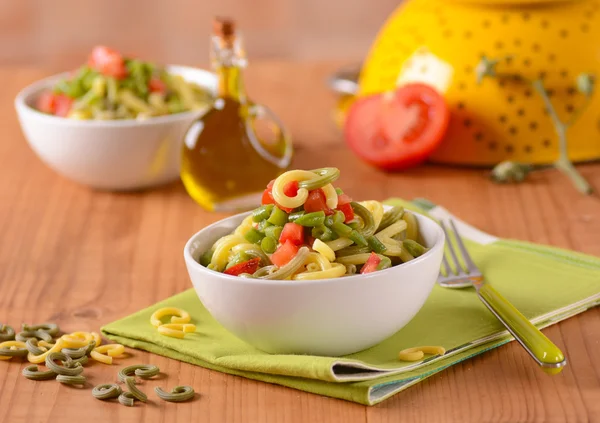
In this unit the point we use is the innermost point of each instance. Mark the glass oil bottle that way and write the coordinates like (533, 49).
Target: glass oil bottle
(225, 165)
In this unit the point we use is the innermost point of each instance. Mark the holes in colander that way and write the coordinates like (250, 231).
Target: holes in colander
(508, 60)
(499, 45)
(526, 16)
(517, 42)
(589, 14)
(528, 149)
(502, 118)
(478, 136)
(486, 23)
(542, 75)
(447, 33)
(501, 82)
(536, 48)
(563, 33)
(585, 28)
(521, 112)
(546, 111)
(462, 86)
(513, 130)
(546, 143)
(550, 92)
(509, 148)
(510, 98)
(544, 24)
(533, 125)
(564, 73)
(551, 57)
(569, 108)
(527, 93)
(468, 69)
(460, 105)
(571, 91)
(492, 145)
(526, 63)
(505, 18)
(468, 34)
(467, 122)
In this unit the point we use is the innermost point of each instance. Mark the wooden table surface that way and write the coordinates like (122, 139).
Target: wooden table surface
(83, 258)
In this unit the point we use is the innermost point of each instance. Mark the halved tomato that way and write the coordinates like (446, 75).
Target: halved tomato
(399, 129)
(108, 62)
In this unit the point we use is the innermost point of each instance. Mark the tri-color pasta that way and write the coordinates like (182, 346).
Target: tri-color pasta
(308, 229)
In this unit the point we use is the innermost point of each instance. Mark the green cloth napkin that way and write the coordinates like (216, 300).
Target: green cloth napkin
(546, 284)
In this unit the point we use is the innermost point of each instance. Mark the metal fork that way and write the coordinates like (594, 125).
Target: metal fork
(540, 348)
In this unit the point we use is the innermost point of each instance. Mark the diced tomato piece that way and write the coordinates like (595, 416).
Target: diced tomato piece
(157, 85)
(348, 211)
(46, 102)
(249, 266)
(267, 198)
(284, 254)
(371, 264)
(63, 105)
(344, 199)
(107, 61)
(291, 188)
(292, 232)
(316, 201)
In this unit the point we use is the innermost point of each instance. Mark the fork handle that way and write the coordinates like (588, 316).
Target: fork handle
(541, 349)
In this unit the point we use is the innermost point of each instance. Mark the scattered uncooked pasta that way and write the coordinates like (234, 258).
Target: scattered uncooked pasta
(71, 380)
(7, 333)
(177, 394)
(137, 394)
(10, 349)
(68, 368)
(106, 391)
(127, 399)
(176, 330)
(34, 373)
(145, 371)
(417, 353)
(37, 334)
(177, 316)
(50, 328)
(304, 216)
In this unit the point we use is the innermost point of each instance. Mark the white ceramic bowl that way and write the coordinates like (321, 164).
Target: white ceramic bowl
(330, 317)
(112, 155)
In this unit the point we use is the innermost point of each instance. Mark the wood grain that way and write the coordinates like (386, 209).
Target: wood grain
(84, 258)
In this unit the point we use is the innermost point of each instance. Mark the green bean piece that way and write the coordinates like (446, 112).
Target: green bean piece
(341, 229)
(339, 216)
(7, 333)
(32, 346)
(126, 399)
(50, 328)
(273, 231)
(34, 373)
(413, 247)
(352, 250)
(25, 335)
(206, 258)
(71, 380)
(339, 191)
(391, 216)
(323, 233)
(268, 244)
(144, 371)
(295, 215)
(376, 245)
(326, 176)
(358, 238)
(262, 213)
(177, 394)
(67, 369)
(137, 394)
(278, 217)
(355, 224)
(412, 226)
(262, 226)
(385, 262)
(312, 219)
(106, 391)
(254, 236)
(369, 227)
(13, 352)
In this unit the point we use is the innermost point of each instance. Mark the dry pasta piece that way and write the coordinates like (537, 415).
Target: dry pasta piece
(177, 394)
(176, 330)
(127, 399)
(106, 391)
(139, 395)
(177, 315)
(417, 353)
(113, 350)
(145, 371)
(97, 338)
(34, 373)
(71, 380)
(10, 349)
(37, 359)
(101, 357)
(7, 333)
(67, 369)
(74, 341)
(49, 328)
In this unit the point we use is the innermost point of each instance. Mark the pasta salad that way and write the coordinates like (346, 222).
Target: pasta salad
(308, 229)
(111, 86)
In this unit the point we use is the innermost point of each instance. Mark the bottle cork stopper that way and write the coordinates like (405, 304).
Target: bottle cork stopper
(224, 28)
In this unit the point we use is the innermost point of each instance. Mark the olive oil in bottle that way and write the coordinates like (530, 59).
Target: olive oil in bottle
(225, 164)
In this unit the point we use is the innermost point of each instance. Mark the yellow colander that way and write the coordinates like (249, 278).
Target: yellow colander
(442, 41)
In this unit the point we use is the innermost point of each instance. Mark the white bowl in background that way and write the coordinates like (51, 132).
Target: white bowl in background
(112, 155)
(331, 317)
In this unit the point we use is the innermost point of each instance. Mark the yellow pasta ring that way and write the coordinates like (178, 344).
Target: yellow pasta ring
(73, 341)
(96, 337)
(113, 350)
(37, 359)
(176, 330)
(11, 344)
(102, 358)
(177, 315)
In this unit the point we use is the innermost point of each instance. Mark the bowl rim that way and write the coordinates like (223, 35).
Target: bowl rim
(36, 87)
(190, 261)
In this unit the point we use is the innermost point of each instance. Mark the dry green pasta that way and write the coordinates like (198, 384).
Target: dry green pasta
(11, 349)
(177, 394)
(34, 373)
(127, 399)
(106, 391)
(38, 334)
(50, 328)
(33, 348)
(67, 369)
(139, 395)
(145, 371)
(7, 333)
(81, 360)
(71, 380)
(75, 352)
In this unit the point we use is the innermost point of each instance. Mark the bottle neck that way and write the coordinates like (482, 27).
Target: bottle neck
(231, 83)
